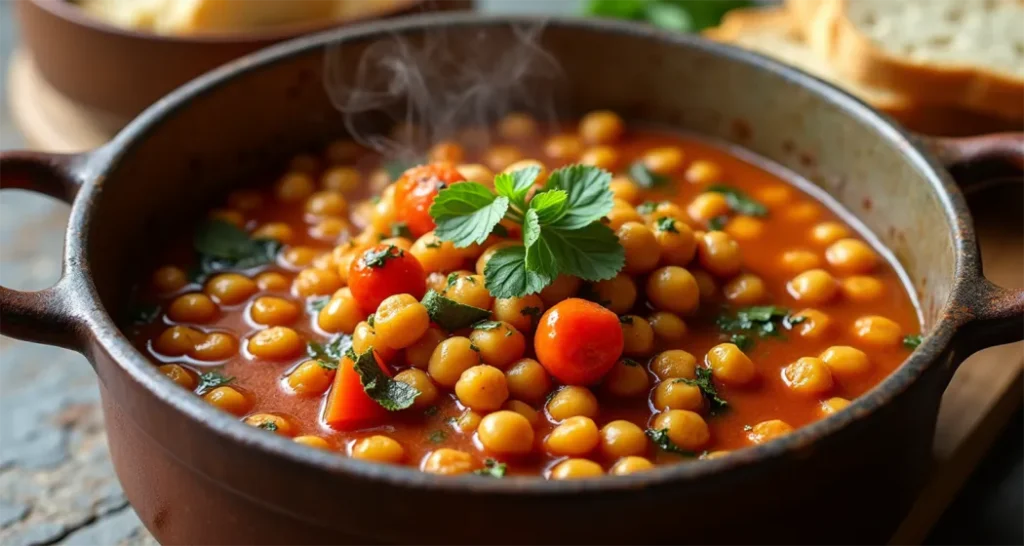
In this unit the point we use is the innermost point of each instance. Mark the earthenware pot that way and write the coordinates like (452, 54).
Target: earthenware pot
(196, 475)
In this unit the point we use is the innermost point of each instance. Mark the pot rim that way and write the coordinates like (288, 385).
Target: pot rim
(64, 9)
(113, 341)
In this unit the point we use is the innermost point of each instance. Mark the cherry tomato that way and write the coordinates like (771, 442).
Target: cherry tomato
(578, 341)
(348, 405)
(385, 270)
(415, 192)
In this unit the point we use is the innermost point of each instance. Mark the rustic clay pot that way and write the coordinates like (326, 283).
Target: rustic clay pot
(196, 475)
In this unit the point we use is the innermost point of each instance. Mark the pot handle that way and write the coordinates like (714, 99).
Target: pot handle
(995, 315)
(45, 316)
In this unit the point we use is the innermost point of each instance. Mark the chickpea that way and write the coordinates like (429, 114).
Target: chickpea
(719, 254)
(802, 212)
(575, 437)
(470, 290)
(601, 127)
(278, 231)
(768, 430)
(524, 409)
(275, 343)
(674, 364)
(501, 156)
(834, 405)
(341, 314)
(708, 205)
(517, 126)
(571, 469)
(808, 375)
(400, 320)
(169, 279)
(774, 196)
(468, 422)
(216, 346)
(677, 394)
(618, 293)
(562, 288)
(686, 429)
(272, 282)
(310, 378)
(297, 257)
(528, 380)
(675, 240)
(177, 341)
(641, 246)
(273, 423)
(851, 257)
(294, 187)
(521, 313)
(499, 346)
(622, 212)
(482, 388)
(378, 448)
(476, 172)
(811, 323)
(861, 288)
(418, 354)
(626, 379)
(245, 200)
(816, 286)
(272, 311)
(342, 151)
(450, 359)
(229, 400)
(877, 331)
(799, 261)
(638, 336)
(665, 160)
(506, 432)
(730, 365)
(330, 229)
(315, 442)
(365, 336)
(622, 438)
(827, 233)
(179, 375)
(448, 462)
(702, 171)
(436, 255)
(197, 308)
(341, 179)
(603, 157)
(563, 147)
(447, 151)
(666, 209)
(705, 284)
(668, 328)
(672, 288)
(316, 282)
(571, 401)
(745, 289)
(630, 465)
(625, 190)
(384, 214)
(232, 217)
(845, 362)
(230, 288)
(744, 228)
(304, 163)
(418, 380)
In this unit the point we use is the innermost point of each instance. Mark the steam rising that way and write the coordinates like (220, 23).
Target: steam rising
(439, 84)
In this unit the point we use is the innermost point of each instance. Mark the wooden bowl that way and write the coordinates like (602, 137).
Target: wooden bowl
(121, 71)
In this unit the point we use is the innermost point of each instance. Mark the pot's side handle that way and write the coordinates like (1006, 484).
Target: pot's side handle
(45, 316)
(996, 314)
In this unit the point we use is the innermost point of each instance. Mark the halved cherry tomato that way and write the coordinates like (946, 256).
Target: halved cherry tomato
(415, 192)
(348, 405)
(385, 270)
(578, 341)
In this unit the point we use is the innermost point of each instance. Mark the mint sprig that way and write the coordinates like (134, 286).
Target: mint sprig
(562, 232)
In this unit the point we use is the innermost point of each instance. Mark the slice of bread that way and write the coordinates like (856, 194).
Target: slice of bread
(774, 33)
(968, 54)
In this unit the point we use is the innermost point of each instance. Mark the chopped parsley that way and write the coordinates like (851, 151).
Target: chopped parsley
(389, 394)
(401, 229)
(487, 325)
(738, 201)
(626, 319)
(646, 178)
(268, 425)
(533, 312)
(328, 355)
(211, 380)
(453, 278)
(752, 322)
(666, 223)
(630, 362)
(647, 207)
(492, 468)
(437, 436)
(371, 319)
(222, 246)
(379, 257)
(718, 223)
(315, 304)
(450, 314)
(661, 439)
(743, 341)
(707, 389)
(912, 341)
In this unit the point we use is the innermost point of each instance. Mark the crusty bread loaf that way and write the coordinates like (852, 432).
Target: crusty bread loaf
(773, 32)
(968, 54)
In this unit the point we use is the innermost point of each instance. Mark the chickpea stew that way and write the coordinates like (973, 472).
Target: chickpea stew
(593, 301)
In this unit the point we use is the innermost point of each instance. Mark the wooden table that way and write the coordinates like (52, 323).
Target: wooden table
(984, 393)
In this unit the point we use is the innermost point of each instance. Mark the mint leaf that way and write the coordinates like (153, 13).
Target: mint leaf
(507, 277)
(661, 439)
(738, 201)
(328, 355)
(550, 206)
(707, 389)
(646, 178)
(592, 253)
(588, 195)
(390, 394)
(211, 380)
(223, 246)
(492, 468)
(516, 184)
(666, 224)
(466, 213)
(450, 314)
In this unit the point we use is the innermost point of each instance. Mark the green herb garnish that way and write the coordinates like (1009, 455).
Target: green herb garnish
(401, 229)
(760, 321)
(718, 223)
(562, 231)
(707, 389)
(211, 380)
(738, 201)
(371, 320)
(436, 243)
(315, 304)
(646, 178)
(661, 439)
(646, 207)
(450, 314)
(437, 436)
(630, 362)
(666, 224)
(452, 278)
(626, 319)
(268, 425)
(389, 394)
(912, 341)
(379, 257)
(533, 312)
(487, 325)
(330, 354)
(677, 15)
(222, 246)
(492, 468)
(743, 341)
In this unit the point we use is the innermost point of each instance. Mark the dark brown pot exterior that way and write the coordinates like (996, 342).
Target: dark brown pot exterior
(198, 476)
